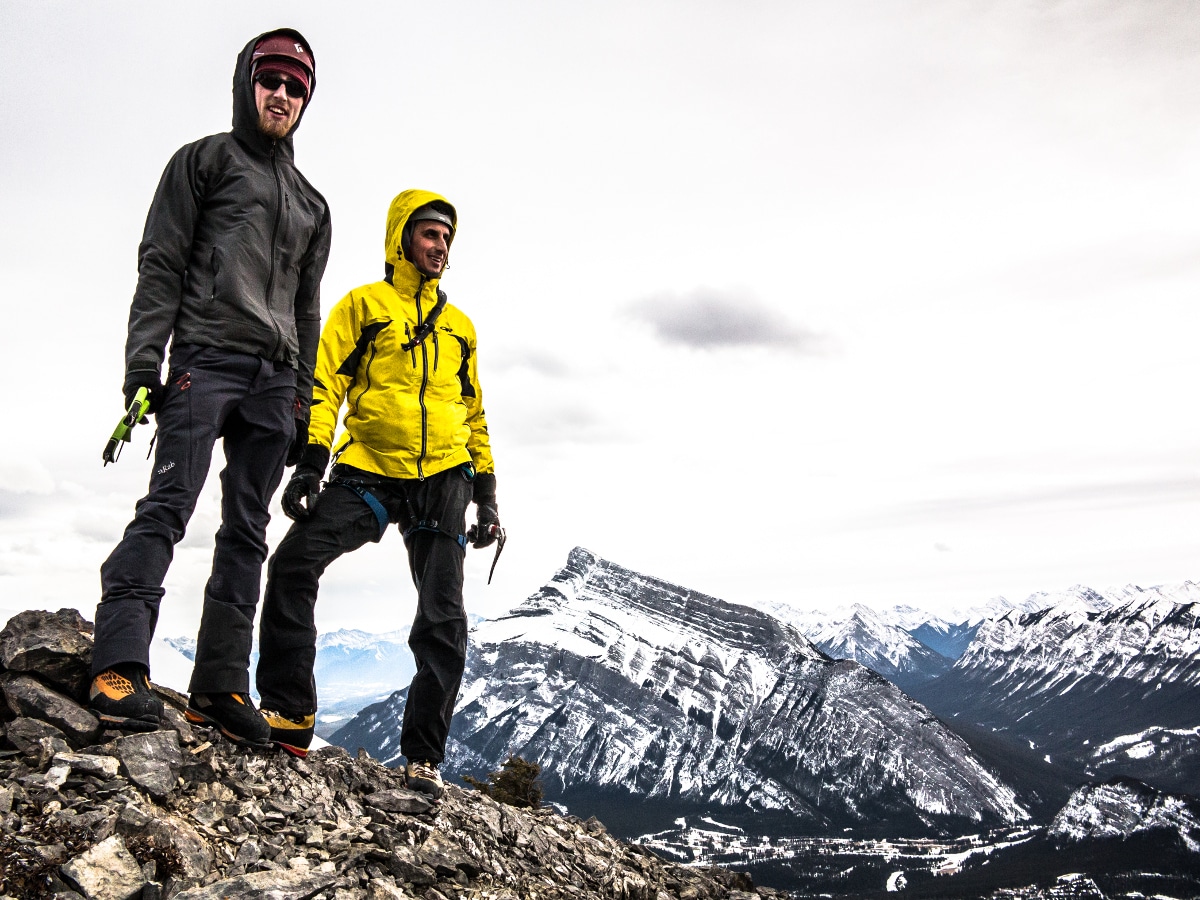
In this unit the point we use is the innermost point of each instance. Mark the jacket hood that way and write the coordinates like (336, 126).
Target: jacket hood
(403, 206)
(245, 112)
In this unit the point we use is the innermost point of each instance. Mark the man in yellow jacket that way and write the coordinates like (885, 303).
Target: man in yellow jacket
(414, 450)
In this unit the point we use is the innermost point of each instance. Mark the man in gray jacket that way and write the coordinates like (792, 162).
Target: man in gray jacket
(229, 271)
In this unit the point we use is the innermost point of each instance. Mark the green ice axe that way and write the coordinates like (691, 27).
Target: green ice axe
(133, 415)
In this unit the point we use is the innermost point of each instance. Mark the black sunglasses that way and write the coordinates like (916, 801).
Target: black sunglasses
(271, 82)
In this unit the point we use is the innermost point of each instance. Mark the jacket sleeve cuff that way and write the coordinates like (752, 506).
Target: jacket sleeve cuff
(315, 457)
(485, 489)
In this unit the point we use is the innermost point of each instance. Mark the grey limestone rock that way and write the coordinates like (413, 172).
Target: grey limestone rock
(107, 871)
(152, 761)
(26, 734)
(56, 646)
(399, 801)
(88, 763)
(26, 696)
(295, 885)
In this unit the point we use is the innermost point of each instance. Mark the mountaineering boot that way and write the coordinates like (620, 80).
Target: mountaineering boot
(233, 715)
(121, 698)
(422, 775)
(292, 734)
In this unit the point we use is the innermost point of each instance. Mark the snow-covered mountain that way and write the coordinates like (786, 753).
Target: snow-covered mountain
(996, 607)
(1122, 808)
(887, 642)
(627, 687)
(946, 638)
(867, 638)
(1071, 679)
(895, 641)
(1162, 755)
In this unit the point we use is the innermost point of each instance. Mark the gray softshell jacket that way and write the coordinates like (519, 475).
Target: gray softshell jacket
(235, 245)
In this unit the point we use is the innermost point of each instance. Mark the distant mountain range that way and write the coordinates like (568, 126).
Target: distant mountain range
(353, 669)
(1113, 690)
(1093, 684)
(698, 723)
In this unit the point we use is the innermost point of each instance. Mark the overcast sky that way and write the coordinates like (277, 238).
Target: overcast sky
(812, 302)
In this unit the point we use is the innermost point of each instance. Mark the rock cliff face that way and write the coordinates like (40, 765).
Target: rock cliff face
(627, 687)
(179, 812)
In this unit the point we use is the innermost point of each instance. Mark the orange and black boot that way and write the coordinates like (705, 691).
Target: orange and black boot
(292, 734)
(121, 698)
(234, 715)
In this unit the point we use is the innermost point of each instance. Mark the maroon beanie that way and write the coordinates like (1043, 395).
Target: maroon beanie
(285, 55)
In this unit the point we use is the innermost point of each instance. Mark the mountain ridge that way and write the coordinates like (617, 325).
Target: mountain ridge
(617, 681)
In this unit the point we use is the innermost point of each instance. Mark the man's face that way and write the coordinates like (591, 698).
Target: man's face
(430, 247)
(278, 110)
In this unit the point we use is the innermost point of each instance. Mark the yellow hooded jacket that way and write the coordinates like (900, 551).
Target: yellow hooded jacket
(409, 413)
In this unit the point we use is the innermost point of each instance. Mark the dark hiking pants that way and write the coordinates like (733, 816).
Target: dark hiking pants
(431, 513)
(210, 394)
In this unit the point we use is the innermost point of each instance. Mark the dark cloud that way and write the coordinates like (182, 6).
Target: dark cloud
(714, 319)
(534, 360)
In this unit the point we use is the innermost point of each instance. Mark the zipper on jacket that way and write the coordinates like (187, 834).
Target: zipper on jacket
(412, 352)
(424, 384)
(352, 406)
(279, 197)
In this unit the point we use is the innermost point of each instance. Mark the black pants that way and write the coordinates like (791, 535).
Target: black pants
(211, 394)
(432, 514)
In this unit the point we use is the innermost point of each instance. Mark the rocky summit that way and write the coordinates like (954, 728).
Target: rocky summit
(89, 814)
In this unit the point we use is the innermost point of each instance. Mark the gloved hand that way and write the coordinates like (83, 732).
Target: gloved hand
(149, 381)
(487, 513)
(300, 441)
(302, 490)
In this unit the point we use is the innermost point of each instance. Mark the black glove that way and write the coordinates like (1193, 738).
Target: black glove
(486, 511)
(153, 386)
(301, 492)
(300, 441)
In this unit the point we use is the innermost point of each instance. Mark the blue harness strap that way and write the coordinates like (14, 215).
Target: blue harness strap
(427, 525)
(381, 514)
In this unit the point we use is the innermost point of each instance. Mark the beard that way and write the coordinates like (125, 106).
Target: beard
(272, 127)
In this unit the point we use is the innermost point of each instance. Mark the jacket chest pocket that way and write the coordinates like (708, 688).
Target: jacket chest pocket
(297, 226)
